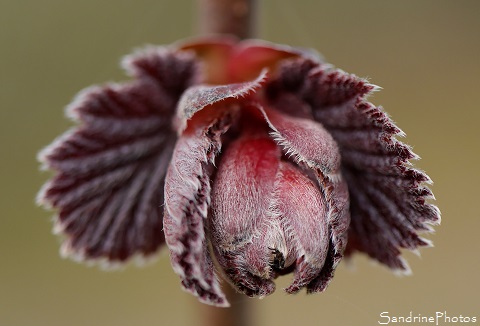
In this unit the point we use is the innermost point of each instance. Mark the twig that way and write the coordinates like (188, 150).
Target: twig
(239, 314)
(235, 17)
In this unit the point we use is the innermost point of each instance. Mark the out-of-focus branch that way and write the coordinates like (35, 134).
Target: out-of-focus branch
(235, 17)
(238, 314)
(238, 18)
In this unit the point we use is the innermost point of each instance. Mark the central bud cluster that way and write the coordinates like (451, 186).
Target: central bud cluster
(272, 200)
(268, 217)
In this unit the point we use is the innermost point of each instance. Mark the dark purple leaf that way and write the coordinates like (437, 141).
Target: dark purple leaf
(110, 170)
(187, 198)
(388, 200)
(198, 97)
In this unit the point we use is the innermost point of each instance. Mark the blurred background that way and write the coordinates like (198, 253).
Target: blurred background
(425, 55)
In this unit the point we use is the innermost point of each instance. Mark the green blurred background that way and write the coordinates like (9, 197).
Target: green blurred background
(425, 55)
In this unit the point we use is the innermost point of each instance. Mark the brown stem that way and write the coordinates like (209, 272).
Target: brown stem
(236, 17)
(238, 314)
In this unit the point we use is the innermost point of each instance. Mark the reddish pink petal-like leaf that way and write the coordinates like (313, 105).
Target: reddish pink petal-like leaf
(311, 146)
(215, 53)
(242, 237)
(250, 57)
(108, 188)
(388, 200)
(338, 219)
(225, 60)
(187, 198)
(302, 210)
(306, 141)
